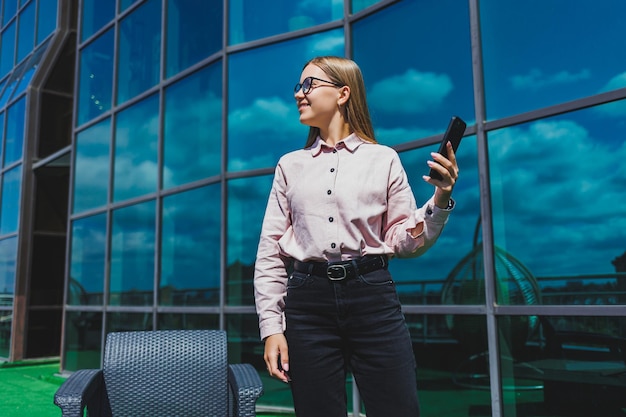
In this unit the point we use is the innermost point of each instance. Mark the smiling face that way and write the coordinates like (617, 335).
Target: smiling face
(320, 105)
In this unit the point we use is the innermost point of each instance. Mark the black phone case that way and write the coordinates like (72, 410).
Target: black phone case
(454, 134)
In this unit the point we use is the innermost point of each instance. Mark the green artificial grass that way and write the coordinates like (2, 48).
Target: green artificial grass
(28, 390)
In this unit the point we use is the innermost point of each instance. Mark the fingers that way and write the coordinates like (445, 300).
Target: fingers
(277, 357)
(447, 167)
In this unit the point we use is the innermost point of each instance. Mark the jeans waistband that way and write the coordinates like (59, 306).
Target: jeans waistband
(338, 271)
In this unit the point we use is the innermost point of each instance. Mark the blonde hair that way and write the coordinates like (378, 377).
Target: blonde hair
(346, 72)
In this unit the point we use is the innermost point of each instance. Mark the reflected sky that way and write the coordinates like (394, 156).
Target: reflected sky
(554, 62)
(136, 150)
(193, 127)
(558, 191)
(88, 256)
(11, 192)
(416, 81)
(263, 119)
(190, 249)
(250, 20)
(91, 172)
(132, 254)
(8, 253)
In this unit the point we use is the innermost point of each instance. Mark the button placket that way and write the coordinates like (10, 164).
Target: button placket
(332, 202)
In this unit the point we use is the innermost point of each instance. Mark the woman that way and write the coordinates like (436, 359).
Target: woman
(337, 211)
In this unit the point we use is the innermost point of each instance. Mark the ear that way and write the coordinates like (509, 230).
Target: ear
(344, 95)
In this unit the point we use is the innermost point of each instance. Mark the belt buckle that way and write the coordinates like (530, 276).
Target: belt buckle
(336, 272)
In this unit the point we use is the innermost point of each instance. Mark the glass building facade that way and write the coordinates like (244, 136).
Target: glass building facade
(138, 144)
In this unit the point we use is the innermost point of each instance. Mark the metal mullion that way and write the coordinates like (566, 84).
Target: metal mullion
(159, 197)
(223, 169)
(495, 371)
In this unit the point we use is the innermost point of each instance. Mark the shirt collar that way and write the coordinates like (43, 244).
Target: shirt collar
(351, 143)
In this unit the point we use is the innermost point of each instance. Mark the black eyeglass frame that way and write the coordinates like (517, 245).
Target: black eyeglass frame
(306, 90)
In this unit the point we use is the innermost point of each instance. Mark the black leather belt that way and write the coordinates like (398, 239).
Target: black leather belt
(338, 271)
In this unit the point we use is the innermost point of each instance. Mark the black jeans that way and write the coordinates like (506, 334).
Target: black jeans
(356, 324)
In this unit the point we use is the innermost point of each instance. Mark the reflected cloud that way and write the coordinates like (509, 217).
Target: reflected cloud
(269, 123)
(397, 135)
(536, 80)
(328, 45)
(549, 196)
(411, 92)
(618, 108)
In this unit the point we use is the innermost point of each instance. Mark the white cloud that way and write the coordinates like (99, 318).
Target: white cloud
(332, 44)
(617, 108)
(411, 92)
(536, 80)
(552, 180)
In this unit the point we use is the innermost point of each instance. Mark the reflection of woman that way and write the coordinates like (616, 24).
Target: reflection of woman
(337, 211)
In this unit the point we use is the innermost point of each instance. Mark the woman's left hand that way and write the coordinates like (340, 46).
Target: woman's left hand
(449, 171)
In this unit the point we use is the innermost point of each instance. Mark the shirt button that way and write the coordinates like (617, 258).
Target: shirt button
(329, 192)
(429, 212)
(334, 150)
(332, 245)
(330, 219)
(332, 170)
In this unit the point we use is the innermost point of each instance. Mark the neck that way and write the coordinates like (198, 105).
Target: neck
(335, 133)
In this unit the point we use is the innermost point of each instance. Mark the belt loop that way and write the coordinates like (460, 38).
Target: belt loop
(356, 268)
(310, 269)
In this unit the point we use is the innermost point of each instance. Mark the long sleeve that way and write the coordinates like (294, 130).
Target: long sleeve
(270, 276)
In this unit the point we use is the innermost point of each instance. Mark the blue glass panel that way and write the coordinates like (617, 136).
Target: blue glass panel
(83, 340)
(250, 20)
(193, 127)
(14, 139)
(261, 100)
(139, 59)
(7, 57)
(125, 4)
(11, 193)
(132, 255)
(358, 5)
(26, 33)
(247, 199)
(136, 150)
(95, 78)
(91, 167)
(8, 254)
(194, 31)
(10, 8)
(413, 95)
(46, 19)
(539, 53)
(552, 210)
(190, 248)
(87, 261)
(96, 14)
(421, 280)
(30, 67)
(1, 132)
(11, 83)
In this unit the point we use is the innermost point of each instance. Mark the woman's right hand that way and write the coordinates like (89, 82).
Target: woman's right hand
(277, 352)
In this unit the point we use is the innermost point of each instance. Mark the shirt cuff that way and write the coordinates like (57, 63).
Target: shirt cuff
(272, 326)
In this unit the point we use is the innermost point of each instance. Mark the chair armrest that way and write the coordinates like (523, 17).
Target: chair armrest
(83, 388)
(246, 386)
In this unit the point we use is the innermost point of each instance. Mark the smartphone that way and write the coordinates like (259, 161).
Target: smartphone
(453, 134)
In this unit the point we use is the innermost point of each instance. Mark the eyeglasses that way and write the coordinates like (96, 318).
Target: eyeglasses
(307, 85)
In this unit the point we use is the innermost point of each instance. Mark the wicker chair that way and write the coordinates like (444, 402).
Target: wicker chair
(163, 373)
